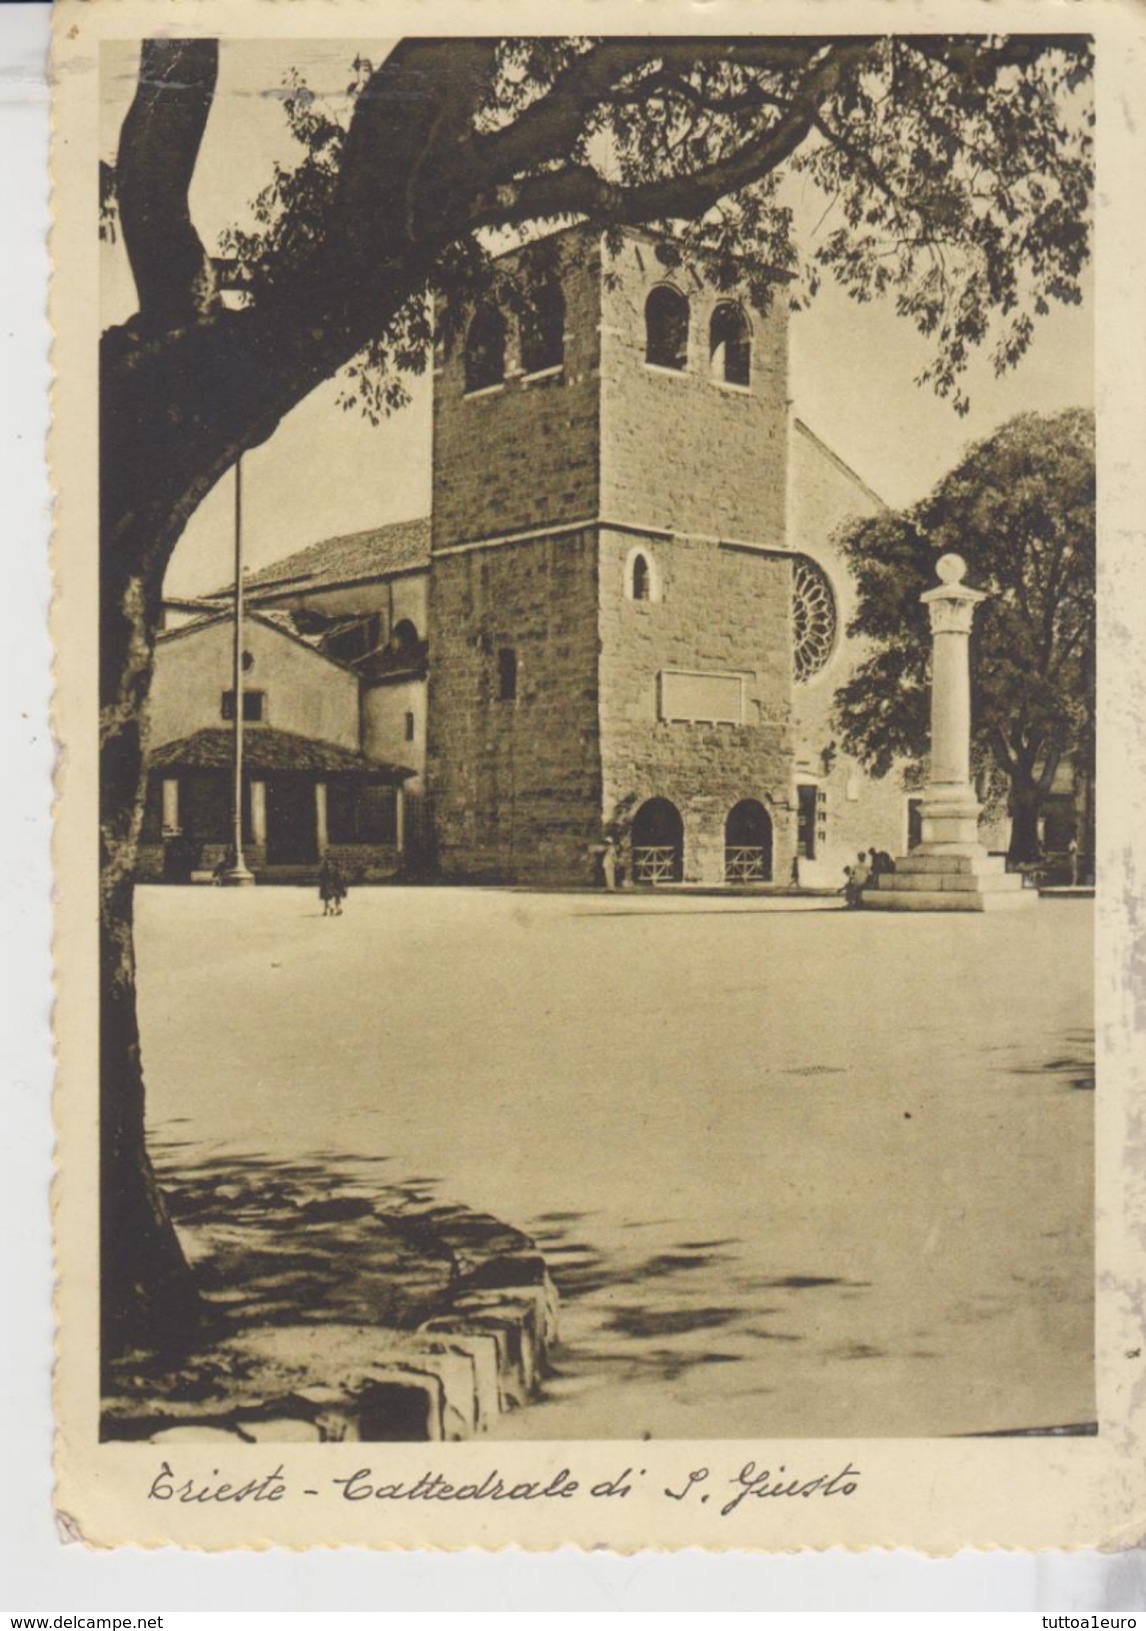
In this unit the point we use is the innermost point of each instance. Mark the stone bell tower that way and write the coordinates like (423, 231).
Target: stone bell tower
(610, 640)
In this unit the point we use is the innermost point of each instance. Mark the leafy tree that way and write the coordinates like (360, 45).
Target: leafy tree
(956, 175)
(1020, 509)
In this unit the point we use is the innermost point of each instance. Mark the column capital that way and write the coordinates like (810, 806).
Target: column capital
(951, 603)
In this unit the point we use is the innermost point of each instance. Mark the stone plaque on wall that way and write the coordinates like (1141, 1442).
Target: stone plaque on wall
(708, 698)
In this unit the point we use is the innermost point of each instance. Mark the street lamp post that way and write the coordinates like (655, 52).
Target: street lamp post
(238, 873)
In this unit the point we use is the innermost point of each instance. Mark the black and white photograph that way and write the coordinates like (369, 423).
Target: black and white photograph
(599, 808)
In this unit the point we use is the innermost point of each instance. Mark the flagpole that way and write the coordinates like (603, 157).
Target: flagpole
(237, 872)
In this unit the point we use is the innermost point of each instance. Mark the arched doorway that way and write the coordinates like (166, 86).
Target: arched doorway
(658, 843)
(748, 843)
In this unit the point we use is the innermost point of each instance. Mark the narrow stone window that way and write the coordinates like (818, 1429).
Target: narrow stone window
(507, 674)
(409, 727)
(807, 796)
(543, 329)
(666, 329)
(485, 348)
(730, 344)
(641, 579)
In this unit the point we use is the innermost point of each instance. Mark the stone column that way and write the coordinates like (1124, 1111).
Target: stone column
(320, 816)
(258, 813)
(950, 871)
(950, 809)
(170, 805)
(400, 821)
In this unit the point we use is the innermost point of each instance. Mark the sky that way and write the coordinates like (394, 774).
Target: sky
(327, 472)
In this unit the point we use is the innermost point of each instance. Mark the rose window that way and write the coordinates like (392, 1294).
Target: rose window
(813, 618)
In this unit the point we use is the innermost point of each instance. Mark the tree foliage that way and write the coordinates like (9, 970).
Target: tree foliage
(955, 176)
(1020, 509)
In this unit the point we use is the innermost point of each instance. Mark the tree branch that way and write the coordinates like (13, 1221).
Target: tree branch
(548, 128)
(158, 151)
(1050, 768)
(579, 189)
(408, 158)
(976, 63)
(1008, 762)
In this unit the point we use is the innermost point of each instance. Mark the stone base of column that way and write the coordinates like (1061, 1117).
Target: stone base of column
(934, 878)
(950, 820)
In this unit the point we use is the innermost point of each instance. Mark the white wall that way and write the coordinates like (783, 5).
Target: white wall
(384, 710)
(305, 692)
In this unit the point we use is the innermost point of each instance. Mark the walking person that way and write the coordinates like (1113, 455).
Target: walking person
(331, 887)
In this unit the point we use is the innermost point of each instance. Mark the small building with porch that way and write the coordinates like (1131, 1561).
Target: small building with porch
(310, 788)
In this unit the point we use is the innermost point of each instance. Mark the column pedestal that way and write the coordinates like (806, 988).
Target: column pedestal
(949, 882)
(950, 871)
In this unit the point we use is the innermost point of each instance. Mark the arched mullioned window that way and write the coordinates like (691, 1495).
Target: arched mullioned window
(666, 328)
(730, 344)
(485, 348)
(543, 329)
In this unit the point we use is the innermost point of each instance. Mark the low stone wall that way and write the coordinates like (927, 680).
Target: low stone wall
(465, 1316)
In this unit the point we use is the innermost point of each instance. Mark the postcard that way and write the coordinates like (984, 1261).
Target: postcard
(599, 629)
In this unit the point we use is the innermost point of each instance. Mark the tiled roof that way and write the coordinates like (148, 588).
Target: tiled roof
(280, 619)
(374, 553)
(840, 464)
(266, 750)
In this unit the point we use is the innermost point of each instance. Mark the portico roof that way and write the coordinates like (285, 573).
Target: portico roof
(267, 751)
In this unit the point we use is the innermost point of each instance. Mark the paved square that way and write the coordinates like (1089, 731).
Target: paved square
(797, 1172)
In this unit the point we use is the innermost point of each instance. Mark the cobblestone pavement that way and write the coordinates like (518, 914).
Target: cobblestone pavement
(796, 1172)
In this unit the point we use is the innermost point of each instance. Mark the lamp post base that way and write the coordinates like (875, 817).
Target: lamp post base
(237, 876)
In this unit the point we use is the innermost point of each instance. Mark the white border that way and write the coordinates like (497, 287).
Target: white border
(40, 1575)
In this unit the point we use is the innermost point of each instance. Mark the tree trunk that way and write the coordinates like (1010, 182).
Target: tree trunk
(1025, 807)
(176, 411)
(147, 1294)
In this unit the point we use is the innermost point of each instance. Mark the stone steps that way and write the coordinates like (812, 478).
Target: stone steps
(923, 863)
(949, 900)
(934, 879)
(928, 882)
